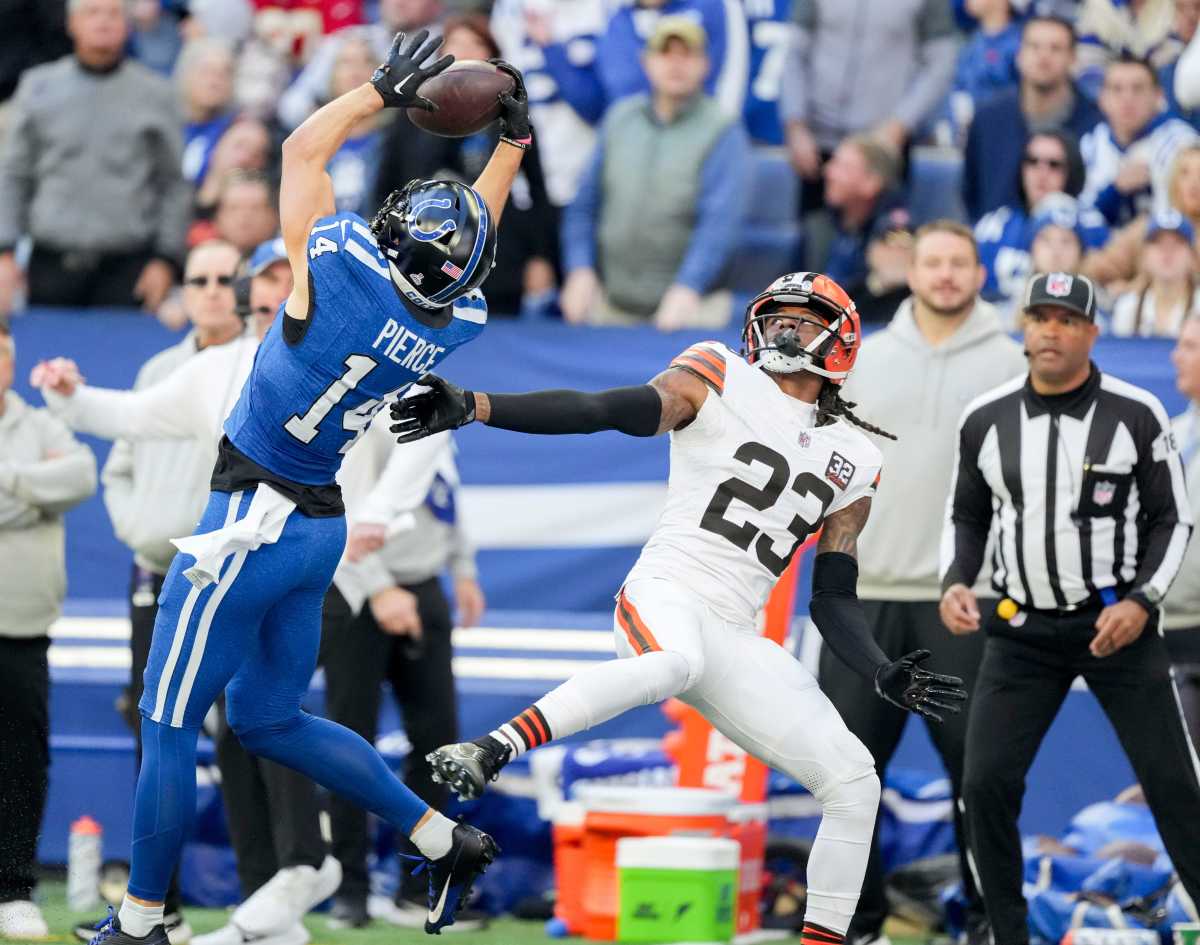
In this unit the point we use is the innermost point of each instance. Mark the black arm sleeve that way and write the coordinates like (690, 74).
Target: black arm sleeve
(970, 517)
(632, 410)
(839, 616)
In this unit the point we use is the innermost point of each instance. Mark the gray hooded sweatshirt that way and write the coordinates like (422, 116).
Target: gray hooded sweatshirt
(44, 471)
(918, 392)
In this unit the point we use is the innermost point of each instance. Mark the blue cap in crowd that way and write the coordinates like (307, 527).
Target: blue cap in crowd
(268, 253)
(1057, 210)
(1170, 221)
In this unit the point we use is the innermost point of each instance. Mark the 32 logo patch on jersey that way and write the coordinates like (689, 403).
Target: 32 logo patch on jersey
(839, 471)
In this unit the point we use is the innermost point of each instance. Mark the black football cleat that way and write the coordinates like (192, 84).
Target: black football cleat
(451, 876)
(109, 932)
(467, 767)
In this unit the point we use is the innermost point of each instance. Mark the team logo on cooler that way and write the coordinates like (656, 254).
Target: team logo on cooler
(428, 236)
(1059, 284)
(451, 270)
(1103, 493)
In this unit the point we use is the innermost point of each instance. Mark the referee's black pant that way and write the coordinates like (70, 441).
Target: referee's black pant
(1025, 676)
(899, 628)
(357, 657)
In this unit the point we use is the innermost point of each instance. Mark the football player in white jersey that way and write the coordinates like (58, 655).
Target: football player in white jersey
(763, 453)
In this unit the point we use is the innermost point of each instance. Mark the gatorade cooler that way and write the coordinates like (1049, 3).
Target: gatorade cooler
(676, 889)
(614, 812)
(569, 865)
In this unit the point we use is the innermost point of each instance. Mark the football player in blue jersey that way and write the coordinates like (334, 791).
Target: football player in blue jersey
(373, 307)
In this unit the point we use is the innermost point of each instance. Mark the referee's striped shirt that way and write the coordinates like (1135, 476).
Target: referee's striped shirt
(1079, 492)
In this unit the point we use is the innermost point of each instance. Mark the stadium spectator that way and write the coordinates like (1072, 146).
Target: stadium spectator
(1128, 156)
(297, 28)
(861, 185)
(1187, 18)
(1071, 605)
(230, 20)
(354, 167)
(944, 347)
(244, 145)
(155, 490)
(987, 63)
(1051, 177)
(1057, 245)
(387, 619)
(310, 89)
(1181, 606)
(44, 471)
(528, 33)
(1115, 264)
(204, 74)
(1110, 29)
(617, 69)
(911, 49)
(1168, 291)
(1045, 99)
(527, 239)
(889, 259)
(35, 32)
(91, 172)
(672, 157)
(155, 34)
(246, 214)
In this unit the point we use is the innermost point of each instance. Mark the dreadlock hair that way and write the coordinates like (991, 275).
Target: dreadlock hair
(831, 406)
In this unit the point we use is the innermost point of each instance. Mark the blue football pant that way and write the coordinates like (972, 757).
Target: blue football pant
(255, 634)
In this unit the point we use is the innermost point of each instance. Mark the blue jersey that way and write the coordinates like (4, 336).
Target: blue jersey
(1005, 236)
(770, 28)
(305, 404)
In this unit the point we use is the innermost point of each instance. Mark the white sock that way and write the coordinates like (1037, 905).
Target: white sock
(138, 920)
(433, 838)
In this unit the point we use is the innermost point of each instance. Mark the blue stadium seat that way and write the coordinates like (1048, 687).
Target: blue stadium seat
(771, 233)
(935, 185)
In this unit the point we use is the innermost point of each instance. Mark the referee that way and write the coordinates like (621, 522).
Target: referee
(1080, 480)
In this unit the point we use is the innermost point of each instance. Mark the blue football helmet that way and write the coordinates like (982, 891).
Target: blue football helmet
(439, 240)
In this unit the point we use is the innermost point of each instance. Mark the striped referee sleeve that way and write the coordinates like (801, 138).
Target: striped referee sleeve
(968, 507)
(1165, 516)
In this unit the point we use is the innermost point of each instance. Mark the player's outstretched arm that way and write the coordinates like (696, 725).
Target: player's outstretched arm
(305, 190)
(516, 137)
(668, 402)
(839, 616)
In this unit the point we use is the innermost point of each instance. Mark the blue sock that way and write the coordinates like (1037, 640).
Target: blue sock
(341, 760)
(163, 807)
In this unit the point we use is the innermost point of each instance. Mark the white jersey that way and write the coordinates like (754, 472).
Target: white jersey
(751, 478)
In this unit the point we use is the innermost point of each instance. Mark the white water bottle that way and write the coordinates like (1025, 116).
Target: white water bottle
(83, 865)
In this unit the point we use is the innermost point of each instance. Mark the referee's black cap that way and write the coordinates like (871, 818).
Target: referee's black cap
(1062, 289)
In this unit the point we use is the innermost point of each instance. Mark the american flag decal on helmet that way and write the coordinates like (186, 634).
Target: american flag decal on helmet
(451, 270)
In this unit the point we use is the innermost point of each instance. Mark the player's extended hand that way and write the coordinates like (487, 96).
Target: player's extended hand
(60, 375)
(959, 609)
(514, 119)
(903, 683)
(1117, 626)
(398, 79)
(442, 407)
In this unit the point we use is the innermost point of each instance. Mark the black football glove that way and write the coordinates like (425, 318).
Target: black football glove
(903, 683)
(514, 119)
(442, 407)
(398, 79)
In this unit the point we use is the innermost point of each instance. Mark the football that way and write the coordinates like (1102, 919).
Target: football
(467, 96)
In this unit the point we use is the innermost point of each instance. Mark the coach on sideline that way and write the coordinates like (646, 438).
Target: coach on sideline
(1084, 482)
(943, 347)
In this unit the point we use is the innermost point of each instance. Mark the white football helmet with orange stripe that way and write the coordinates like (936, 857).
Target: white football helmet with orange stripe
(831, 354)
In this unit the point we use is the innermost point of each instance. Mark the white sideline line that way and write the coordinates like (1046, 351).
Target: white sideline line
(465, 667)
(478, 638)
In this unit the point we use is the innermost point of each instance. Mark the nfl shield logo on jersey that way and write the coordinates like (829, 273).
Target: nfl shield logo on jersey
(805, 440)
(1059, 284)
(1103, 493)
